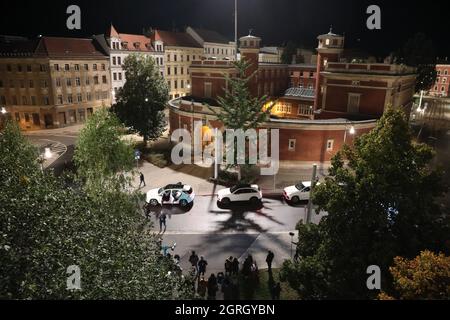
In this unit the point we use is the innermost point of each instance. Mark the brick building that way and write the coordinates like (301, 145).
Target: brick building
(441, 86)
(317, 108)
(53, 82)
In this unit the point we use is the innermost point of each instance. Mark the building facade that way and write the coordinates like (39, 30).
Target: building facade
(442, 83)
(121, 45)
(316, 108)
(215, 46)
(180, 50)
(53, 82)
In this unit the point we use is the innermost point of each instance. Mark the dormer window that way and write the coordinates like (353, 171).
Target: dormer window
(125, 45)
(327, 42)
(137, 45)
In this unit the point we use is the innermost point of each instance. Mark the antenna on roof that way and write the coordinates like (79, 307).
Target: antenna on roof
(250, 32)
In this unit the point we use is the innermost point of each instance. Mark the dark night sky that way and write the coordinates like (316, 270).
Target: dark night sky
(276, 21)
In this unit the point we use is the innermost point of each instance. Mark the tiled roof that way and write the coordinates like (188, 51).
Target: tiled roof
(17, 47)
(68, 47)
(300, 92)
(144, 43)
(211, 36)
(176, 39)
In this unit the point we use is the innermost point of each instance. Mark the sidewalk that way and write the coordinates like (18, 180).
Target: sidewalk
(66, 131)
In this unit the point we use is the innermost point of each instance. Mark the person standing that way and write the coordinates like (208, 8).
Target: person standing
(228, 265)
(142, 180)
(162, 222)
(202, 266)
(235, 267)
(269, 260)
(193, 259)
(202, 286)
(212, 287)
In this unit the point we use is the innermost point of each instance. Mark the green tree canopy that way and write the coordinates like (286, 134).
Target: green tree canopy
(101, 154)
(142, 100)
(419, 52)
(48, 224)
(380, 199)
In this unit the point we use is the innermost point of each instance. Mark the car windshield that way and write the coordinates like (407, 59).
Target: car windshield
(300, 186)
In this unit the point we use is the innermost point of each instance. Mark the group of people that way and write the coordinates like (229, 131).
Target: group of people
(228, 282)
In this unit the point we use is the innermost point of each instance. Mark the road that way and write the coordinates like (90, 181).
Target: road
(216, 233)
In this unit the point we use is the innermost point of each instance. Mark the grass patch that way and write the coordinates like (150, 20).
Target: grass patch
(262, 292)
(157, 153)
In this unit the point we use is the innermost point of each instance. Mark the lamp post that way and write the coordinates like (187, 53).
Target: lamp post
(352, 130)
(313, 184)
(292, 241)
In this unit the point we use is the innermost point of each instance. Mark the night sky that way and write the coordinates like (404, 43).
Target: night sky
(276, 21)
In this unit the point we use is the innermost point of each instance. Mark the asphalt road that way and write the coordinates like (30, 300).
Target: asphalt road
(216, 233)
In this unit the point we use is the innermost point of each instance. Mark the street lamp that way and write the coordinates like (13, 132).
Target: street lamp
(352, 131)
(3, 110)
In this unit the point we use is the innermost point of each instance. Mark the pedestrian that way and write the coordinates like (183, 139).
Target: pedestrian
(235, 267)
(212, 287)
(227, 289)
(193, 259)
(269, 260)
(202, 286)
(142, 179)
(228, 265)
(162, 222)
(277, 291)
(202, 266)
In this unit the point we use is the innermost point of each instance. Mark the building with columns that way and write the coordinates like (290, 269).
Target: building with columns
(317, 108)
(52, 82)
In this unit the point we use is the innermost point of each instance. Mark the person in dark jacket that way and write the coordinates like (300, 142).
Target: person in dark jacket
(202, 266)
(235, 267)
(269, 260)
(212, 287)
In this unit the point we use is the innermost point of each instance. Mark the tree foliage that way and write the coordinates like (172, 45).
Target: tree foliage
(48, 224)
(427, 276)
(142, 100)
(101, 155)
(380, 198)
(288, 52)
(419, 52)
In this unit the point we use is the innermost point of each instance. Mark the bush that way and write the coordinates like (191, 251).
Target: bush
(157, 159)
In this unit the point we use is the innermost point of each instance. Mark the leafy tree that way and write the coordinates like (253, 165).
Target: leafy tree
(47, 225)
(380, 199)
(142, 100)
(288, 51)
(419, 52)
(101, 154)
(238, 109)
(425, 277)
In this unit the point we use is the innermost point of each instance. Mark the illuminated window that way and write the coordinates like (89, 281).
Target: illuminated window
(327, 42)
(291, 145)
(284, 108)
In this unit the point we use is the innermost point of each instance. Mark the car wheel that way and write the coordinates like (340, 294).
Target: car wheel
(154, 202)
(183, 203)
(295, 200)
(254, 200)
(226, 201)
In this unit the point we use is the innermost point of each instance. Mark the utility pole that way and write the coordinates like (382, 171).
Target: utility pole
(313, 184)
(235, 29)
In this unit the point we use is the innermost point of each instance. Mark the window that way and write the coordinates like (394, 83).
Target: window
(1, 83)
(96, 80)
(182, 84)
(14, 100)
(94, 67)
(46, 101)
(305, 110)
(445, 72)
(353, 102)
(66, 67)
(175, 84)
(114, 76)
(27, 117)
(77, 82)
(120, 75)
(8, 68)
(77, 67)
(284, 107)
(44, 84)
(330, 144)
(291, 145)
(444, 80)
(88, 81)
(114, 61)
(168, 71)
(60, 99)
(175, 57)
(33, 100)
(207, 89)
(175, 70)
(22, 84)
(104, 80)
(182, 70)
(43, 68)
(69, 98)
(58, 82)
(24, 101)
(3, 100)
(68, 82)
(29, 68)
(88, 96)
(56, 67)
(19, 68)
(327, 42)
(187, 58)
(437, 80)
(119, 61)
(442, 89)
(11, 83)
(86, 67)
(79, 97)
(103, 67)
(17, 115)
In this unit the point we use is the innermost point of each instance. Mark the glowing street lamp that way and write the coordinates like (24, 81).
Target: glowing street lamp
(3, 110)
(352, 130)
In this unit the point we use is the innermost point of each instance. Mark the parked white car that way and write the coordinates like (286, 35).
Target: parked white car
(240, 193)
(300, 192)
(172, 194)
